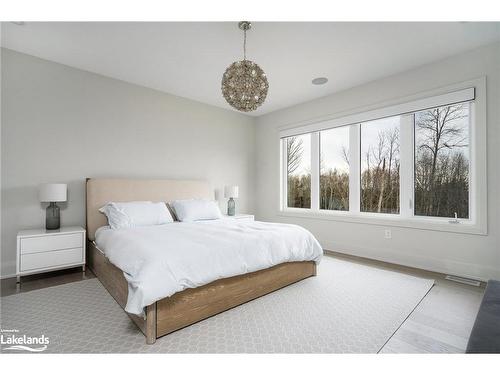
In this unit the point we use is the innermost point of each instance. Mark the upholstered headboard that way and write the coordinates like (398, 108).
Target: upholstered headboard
(102, 190)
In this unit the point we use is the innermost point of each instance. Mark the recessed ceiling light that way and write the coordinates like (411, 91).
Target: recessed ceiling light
(319, 81)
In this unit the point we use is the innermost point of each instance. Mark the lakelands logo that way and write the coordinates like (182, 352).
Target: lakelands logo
(12, 340)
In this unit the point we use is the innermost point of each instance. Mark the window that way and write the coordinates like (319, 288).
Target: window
(334, 169)
(442, 161)
(298, 171)
(380, 165)
(417, 164)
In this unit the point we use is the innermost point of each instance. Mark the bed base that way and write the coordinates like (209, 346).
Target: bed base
(192, 305)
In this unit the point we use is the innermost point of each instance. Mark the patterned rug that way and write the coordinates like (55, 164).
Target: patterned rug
(347, 308)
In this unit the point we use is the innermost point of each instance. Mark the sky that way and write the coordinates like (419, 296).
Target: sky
(305, 162)
(462, 124)
(332, 141)
(369, 135)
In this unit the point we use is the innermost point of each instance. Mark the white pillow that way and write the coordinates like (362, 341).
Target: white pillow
(196, 209)
(136, 214)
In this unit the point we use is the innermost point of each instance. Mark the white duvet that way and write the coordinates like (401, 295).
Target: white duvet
(161, 260)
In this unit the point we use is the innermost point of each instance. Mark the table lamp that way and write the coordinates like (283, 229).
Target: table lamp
(231, 191)
(52, 193)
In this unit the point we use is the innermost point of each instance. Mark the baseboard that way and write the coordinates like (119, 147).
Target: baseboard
(8, 276)
(8, 265)
(446, 267)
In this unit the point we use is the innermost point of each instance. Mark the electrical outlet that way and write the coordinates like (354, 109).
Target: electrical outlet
(387, 234)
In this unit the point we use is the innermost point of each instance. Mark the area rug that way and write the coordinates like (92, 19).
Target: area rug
(347, 308)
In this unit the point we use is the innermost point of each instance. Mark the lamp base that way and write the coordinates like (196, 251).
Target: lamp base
(231, 207)
(52, 218)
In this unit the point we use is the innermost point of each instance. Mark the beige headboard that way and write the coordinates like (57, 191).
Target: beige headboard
(102, 190)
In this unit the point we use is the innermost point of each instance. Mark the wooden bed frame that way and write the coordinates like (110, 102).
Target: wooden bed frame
(191, 305)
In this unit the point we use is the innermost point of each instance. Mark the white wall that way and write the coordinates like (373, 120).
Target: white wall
(475, 256)
(61, 124)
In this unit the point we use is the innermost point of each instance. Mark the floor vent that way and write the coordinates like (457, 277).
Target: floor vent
(463, 280)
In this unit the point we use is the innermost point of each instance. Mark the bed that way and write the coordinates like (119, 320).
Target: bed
(188, 305)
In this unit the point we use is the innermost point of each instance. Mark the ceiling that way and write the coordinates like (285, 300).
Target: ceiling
(187, 58)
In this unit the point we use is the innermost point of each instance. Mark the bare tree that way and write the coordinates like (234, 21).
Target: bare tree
(379, 155)
(380, 176)
(294, 149)
(393, 156)
(345, 154)
(439, 130)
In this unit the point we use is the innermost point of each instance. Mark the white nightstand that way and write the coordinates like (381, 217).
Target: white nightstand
(247, 217)
(40, 250)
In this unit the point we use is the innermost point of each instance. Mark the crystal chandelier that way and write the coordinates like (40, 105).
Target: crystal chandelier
(244, 83)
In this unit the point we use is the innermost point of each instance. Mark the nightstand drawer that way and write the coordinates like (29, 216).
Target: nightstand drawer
(50, 243)
(51, 259)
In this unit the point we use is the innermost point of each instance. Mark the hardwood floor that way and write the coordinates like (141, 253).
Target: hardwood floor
(441, 323)
(45, 280)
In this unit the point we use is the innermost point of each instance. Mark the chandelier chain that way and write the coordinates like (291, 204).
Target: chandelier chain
(244, 44)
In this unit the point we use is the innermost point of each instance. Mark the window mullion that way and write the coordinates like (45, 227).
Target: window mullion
(283, 174)
(315, 171)
(407, 163)
(354, 168)
(472, 169)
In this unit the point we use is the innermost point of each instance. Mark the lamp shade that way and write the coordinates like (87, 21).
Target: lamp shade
(52, 192)
(230, 191)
